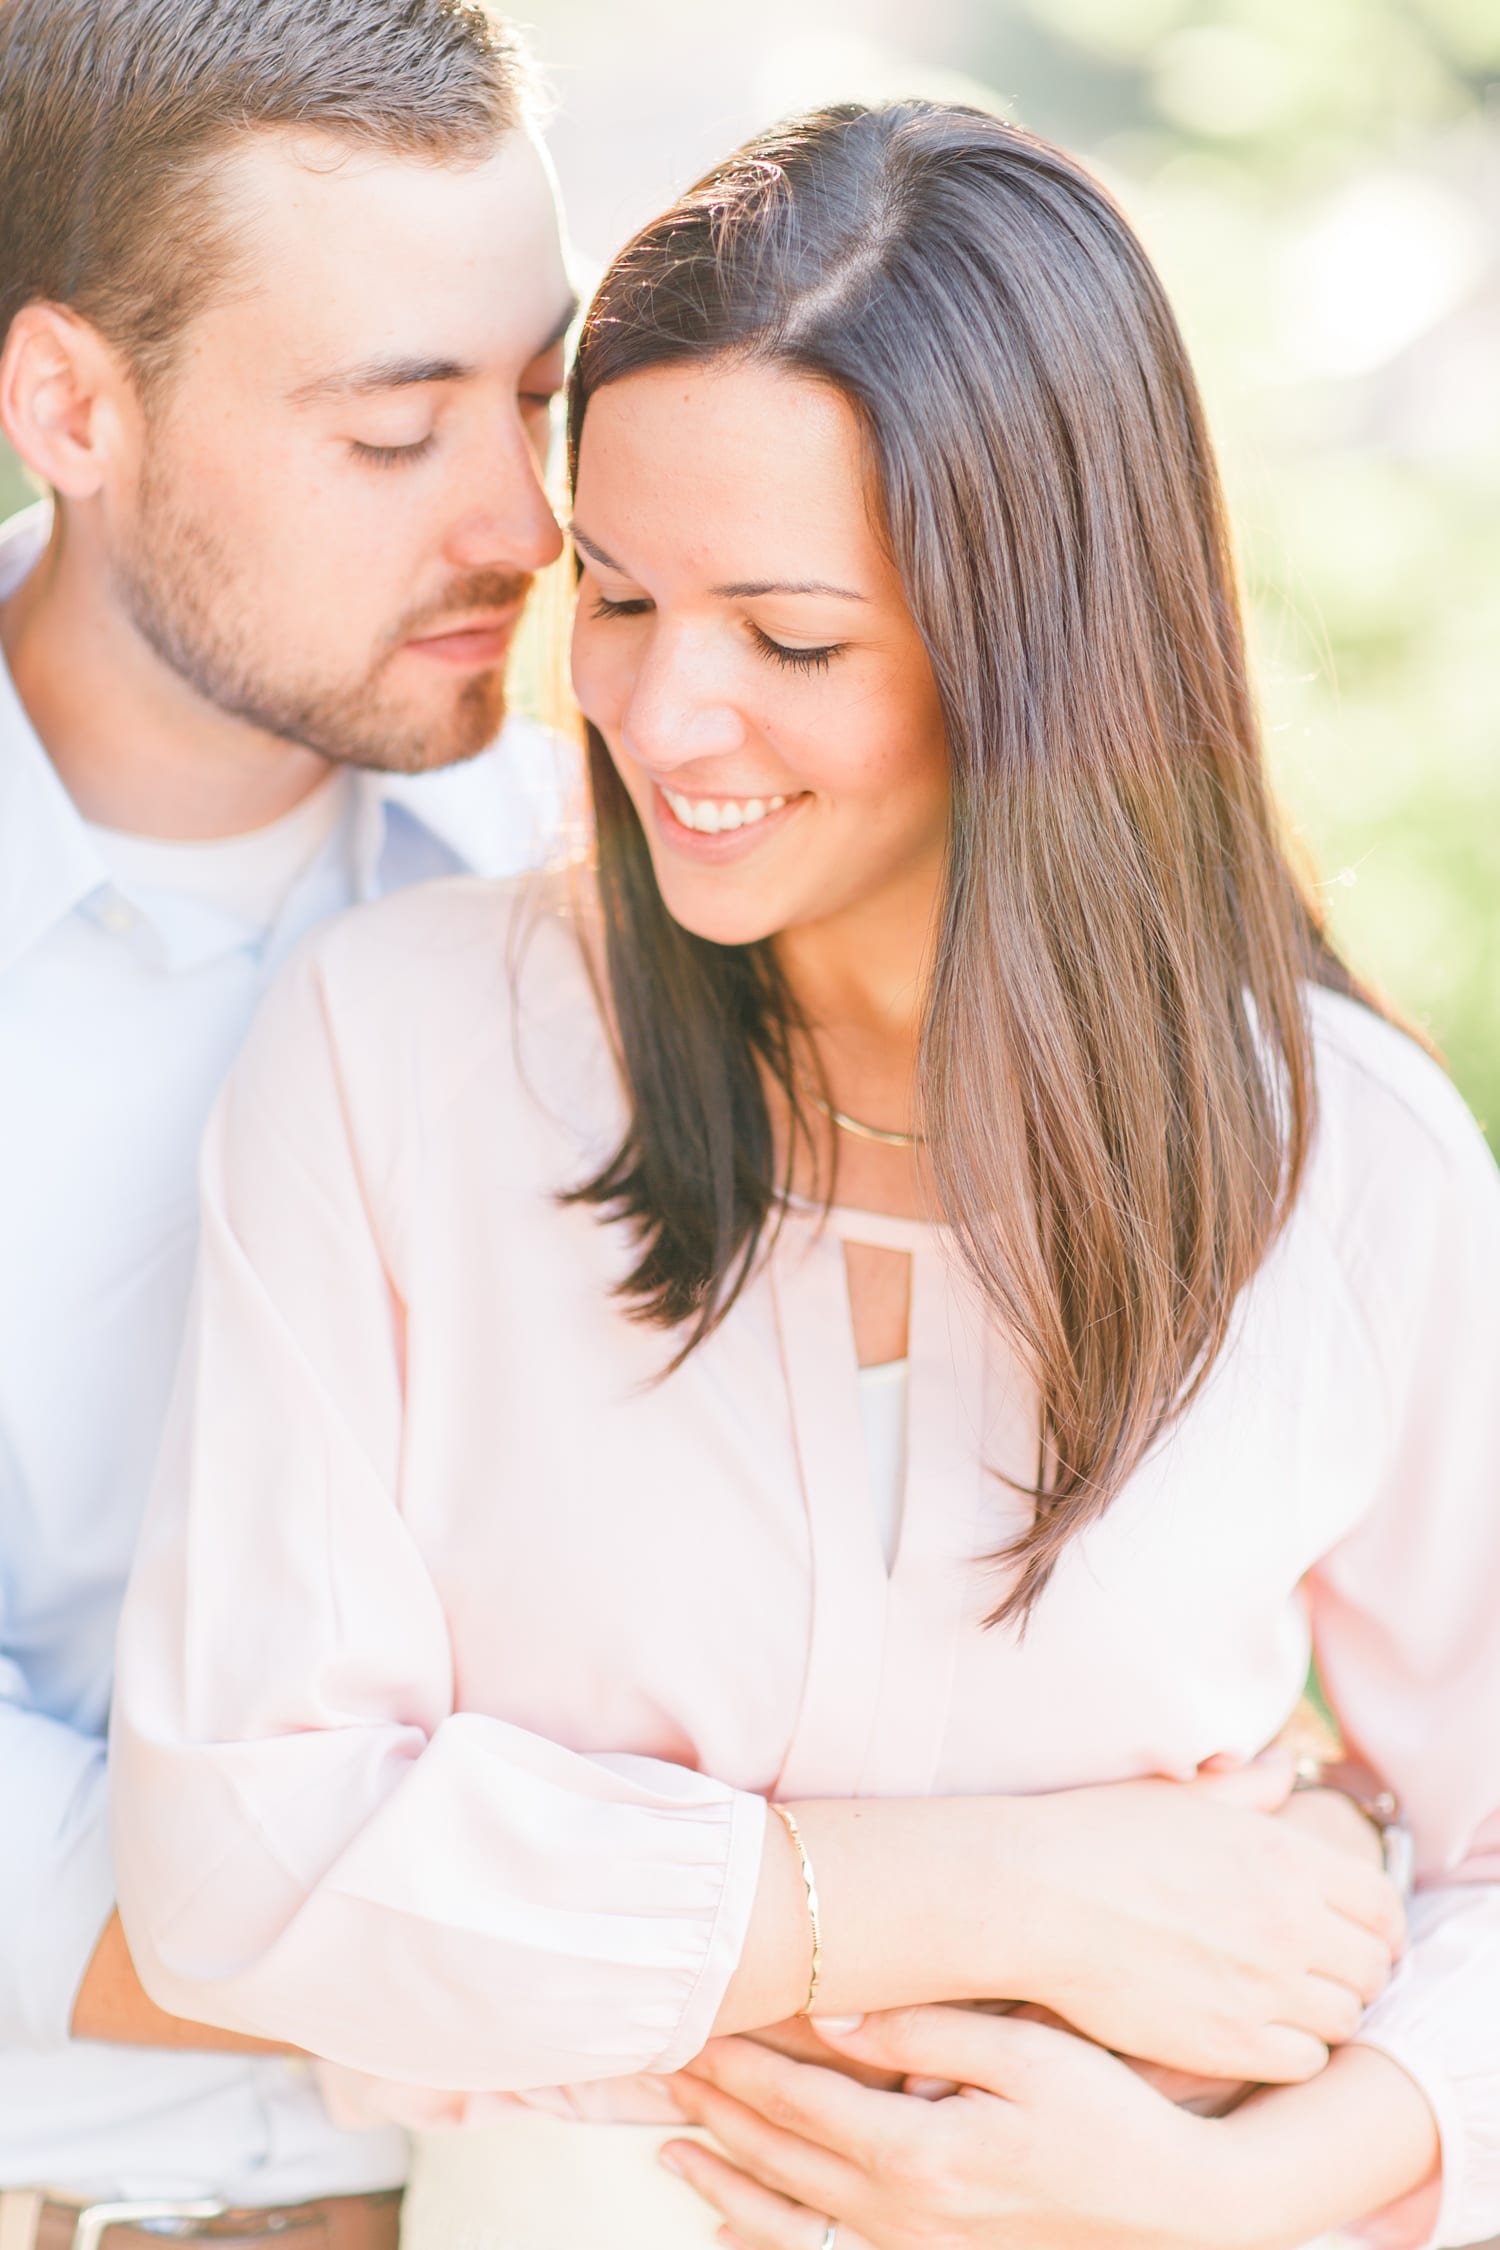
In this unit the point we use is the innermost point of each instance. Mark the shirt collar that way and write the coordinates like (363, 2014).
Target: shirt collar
(493, 814)
(48, 865)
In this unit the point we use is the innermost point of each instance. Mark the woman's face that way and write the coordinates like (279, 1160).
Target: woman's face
(744, 648)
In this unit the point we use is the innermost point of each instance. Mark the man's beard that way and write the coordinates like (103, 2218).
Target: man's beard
(180, 589)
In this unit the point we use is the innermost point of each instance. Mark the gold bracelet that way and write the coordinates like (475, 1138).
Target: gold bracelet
(813, 1915)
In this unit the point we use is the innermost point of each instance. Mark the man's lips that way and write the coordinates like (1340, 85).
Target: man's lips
(481, 641)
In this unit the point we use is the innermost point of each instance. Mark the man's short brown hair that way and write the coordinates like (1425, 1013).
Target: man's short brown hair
(113, 112)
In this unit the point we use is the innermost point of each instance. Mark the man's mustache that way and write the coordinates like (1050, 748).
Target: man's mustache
(483, 590)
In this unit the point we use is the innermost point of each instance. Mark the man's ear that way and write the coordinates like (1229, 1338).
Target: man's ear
(64, 394)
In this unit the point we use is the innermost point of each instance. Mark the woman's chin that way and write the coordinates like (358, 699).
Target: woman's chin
(719, 912)
(721, 928)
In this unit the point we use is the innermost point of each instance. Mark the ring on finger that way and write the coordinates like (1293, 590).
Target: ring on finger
(830, 2235)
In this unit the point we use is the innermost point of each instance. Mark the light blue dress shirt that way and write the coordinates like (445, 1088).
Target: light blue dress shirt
(119, 1016)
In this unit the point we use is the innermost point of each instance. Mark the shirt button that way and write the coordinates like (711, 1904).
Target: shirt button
(118, 918)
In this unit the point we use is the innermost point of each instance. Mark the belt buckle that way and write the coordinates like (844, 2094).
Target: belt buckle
(97, 2218)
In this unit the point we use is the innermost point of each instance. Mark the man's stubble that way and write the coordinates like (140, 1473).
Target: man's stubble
(180, 586)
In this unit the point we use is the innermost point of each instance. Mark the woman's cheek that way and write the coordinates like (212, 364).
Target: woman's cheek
(599, 678)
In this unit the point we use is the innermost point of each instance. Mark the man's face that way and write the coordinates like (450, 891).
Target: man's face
(337, 503)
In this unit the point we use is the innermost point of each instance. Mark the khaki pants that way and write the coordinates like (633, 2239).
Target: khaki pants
(539, 2183)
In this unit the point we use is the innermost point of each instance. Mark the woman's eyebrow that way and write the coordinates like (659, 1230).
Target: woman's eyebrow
(752, 588)
(749, 590)
(596, 553)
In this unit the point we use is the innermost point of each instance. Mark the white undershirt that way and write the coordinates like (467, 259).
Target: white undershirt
(883, 1395)
(250, 877)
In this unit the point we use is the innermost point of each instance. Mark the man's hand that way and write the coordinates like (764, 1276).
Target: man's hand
(1051, 2145)
(113, 2005)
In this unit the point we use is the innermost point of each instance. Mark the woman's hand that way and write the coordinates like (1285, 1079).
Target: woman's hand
(1322, 1813)
(1051, 2145)
(1177, 1922)
(1334, 1819)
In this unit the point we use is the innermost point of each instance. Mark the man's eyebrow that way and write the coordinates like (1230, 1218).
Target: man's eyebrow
(740, 593)
(380, 375)
(398, 374)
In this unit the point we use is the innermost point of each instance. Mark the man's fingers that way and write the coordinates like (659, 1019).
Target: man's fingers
(754, 2216)
(801, 2043)
(794, 2168)
(817, 2104)
(1206, 2097)
(996, 2053)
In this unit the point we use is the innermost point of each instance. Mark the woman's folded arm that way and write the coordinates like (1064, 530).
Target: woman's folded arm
(313, 1843)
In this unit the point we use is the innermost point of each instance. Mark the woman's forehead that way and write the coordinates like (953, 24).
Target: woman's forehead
(754, 473)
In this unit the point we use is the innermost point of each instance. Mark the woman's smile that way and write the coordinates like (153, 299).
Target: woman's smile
(715, 829)
(711, 816)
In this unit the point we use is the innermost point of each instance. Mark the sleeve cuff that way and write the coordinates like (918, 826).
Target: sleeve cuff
(726, 1940)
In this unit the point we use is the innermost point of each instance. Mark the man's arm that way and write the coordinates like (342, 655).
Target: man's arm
(59, 1977)
(113, 2005)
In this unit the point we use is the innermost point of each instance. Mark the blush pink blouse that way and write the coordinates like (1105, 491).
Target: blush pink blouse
(463, 1653)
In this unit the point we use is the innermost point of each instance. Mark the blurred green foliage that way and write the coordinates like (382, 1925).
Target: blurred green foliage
(1320, 184)
(15, 492)
(1319, 181)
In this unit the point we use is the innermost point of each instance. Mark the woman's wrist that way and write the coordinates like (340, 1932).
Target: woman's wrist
(1038, 1947)
(770, 1980)
(921, 1901)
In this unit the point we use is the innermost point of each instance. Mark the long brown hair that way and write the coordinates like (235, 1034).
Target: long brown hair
(1115, 1078)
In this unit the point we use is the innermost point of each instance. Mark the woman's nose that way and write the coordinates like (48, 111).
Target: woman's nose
(678, 710)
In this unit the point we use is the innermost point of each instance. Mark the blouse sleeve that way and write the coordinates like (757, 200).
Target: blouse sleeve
(313, 1844)
(1406, 1621)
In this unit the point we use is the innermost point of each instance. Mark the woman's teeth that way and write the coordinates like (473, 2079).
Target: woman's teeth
(711, 816)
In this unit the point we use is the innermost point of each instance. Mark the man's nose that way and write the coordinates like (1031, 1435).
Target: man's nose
(506, 519)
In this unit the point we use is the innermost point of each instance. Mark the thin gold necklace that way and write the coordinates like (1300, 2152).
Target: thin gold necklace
(860, 1132)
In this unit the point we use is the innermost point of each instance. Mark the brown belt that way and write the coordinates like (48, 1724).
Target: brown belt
(336, 2222)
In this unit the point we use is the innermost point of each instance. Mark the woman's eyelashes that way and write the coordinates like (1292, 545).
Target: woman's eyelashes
(604, 607)
(775, 652)
(795, 659)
